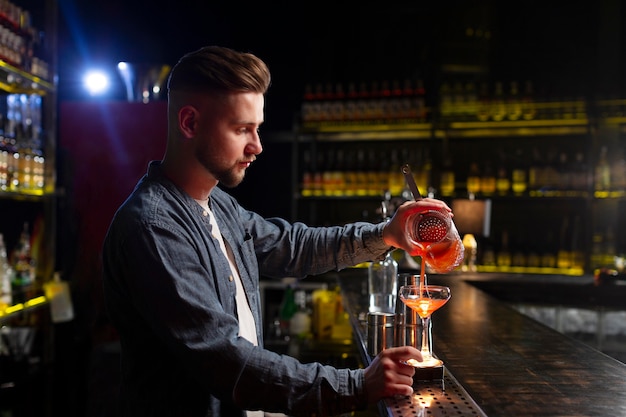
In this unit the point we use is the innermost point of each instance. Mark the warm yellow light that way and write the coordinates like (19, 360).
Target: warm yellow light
(13, 309)
(35, 301)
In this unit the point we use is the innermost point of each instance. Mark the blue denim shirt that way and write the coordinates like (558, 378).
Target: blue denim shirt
(169, 292)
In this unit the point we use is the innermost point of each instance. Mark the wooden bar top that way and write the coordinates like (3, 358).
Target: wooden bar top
(510, 364)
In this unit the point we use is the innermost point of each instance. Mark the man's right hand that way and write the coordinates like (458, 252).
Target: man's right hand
(389, 375)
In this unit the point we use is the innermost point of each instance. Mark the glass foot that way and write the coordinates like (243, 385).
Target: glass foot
(431, 362)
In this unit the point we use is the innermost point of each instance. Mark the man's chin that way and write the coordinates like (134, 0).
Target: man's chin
(232, 182)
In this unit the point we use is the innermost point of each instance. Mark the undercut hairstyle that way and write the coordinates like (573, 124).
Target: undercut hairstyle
(216, 69)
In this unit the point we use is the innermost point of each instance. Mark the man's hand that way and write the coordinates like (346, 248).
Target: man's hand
(389, 375)
(394, 233)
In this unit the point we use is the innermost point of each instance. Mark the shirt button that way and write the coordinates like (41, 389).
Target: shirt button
(205, 213)
(230, 278)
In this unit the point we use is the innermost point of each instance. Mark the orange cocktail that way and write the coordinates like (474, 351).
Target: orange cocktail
(424, 300)
(424, 307)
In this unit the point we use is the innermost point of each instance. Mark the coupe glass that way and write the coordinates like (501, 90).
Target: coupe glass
(424, 300)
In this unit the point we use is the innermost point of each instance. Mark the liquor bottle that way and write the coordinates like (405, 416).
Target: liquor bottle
(487, 180)
(23, 265)
(503, 258)
(58, 294)
(308, 108)
(419, 100)
(580, 173)
(602, 178)
(423, 171)
(503, 181)
(288, 308)
(445, 102)
(529, 108)
(300, 322)
(351, 108)
(306, 185)
(471, 101)
(6, 276)
(519, 174)
(514, 104)
(396, 179)
(447, 184)
(484, 103)
(498, 104)
(618, 171)
(564, 256)
(473, 179)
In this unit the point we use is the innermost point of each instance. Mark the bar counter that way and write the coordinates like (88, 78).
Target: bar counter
(499, 362)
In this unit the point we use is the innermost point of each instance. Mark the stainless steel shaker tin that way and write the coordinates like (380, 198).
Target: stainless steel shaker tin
(407, 321)
(381, 329)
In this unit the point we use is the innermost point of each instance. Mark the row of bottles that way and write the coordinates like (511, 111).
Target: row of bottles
(552, 173)
(22, 159)
(20, 40)
(310, 315)
(405, 102)
(559, 247)
(537, 173)
(17, 269)
(497, 102)
(360, 172)
(386, 102)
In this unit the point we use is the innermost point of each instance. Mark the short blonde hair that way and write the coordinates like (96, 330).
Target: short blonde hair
(220, 70)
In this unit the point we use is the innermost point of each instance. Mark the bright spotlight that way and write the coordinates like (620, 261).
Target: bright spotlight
(96, 82)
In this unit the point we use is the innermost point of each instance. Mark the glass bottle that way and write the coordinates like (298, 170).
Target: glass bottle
(6, 276)
(473, 179)
(382, 279)
(603, 171)
(382, 276)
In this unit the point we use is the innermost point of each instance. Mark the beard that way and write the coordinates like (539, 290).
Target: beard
(229, 176)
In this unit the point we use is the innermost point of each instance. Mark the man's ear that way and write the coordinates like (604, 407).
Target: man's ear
(187, 121)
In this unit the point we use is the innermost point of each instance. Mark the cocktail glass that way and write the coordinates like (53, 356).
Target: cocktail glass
(424, 300)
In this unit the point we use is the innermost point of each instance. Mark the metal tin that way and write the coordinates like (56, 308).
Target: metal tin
(380, 332)
(408, 323)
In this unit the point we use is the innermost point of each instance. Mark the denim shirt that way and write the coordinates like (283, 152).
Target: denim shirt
(170, 294)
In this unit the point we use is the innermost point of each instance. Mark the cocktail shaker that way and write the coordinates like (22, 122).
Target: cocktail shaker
(408, 323)
(381, 330)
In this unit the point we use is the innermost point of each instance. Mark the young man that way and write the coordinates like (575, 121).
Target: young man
(182, 261)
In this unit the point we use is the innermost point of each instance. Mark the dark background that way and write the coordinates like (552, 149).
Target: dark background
(565, 47)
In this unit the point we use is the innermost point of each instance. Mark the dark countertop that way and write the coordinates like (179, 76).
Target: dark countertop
(510, 364)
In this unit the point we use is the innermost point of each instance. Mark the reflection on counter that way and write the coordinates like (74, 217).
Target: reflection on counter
(603, 329)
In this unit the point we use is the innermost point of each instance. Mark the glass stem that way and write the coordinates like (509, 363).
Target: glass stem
(426, 353)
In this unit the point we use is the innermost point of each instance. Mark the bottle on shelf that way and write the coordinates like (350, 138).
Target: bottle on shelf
(306, 185)
(602, 176)
(519, 178)
(503, 257)
(447, 182)
(300, 321)
(514, 103)
(24, 266)
(618, 171)
(473, 179)
(396, 179)
(529, 107)
(483, 108)
(487, 180)
(6, 277)
(503, 180)
(498, 108)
